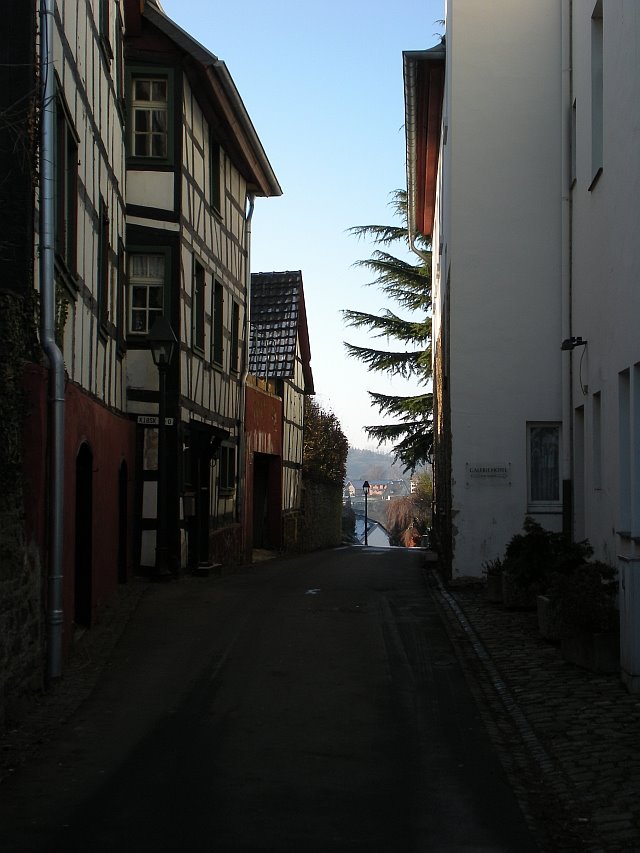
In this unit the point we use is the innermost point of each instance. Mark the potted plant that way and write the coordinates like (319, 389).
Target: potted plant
(585, 603)
(566, 556)
(493, 571)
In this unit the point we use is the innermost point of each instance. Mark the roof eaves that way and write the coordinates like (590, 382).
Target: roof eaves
(423, 93)
(266, 183)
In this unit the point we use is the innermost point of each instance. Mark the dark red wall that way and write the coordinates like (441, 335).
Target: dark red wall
(111, 439)
(263, 434)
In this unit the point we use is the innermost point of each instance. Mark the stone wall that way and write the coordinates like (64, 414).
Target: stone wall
(21, 633)
(226, 546)
(292, 531)
(321, 515)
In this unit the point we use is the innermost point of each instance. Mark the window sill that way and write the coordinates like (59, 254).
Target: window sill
(159, 164)
(544, 509)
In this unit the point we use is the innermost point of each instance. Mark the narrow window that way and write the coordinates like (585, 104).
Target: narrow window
(624, 451)
(105, 28)
(218, 325)
(235, 338)
(214, 175)
(578, 478)
(119, 61)
(198, 305)
(66, 189)
(150, 125)
(146, 288)
(634, 426)
(573, 143)
(597, 94)
(103, 264)
(227, 475)
(120, 297)
(596, 437)
(544, 466)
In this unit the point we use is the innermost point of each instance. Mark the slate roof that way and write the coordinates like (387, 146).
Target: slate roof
(278, 321)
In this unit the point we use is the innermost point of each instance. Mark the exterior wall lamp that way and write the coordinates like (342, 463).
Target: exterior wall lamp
(572, 343)
(163, 343)
(365, 492)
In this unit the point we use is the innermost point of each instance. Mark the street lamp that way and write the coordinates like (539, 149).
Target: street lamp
(365, 492)
(163, 342)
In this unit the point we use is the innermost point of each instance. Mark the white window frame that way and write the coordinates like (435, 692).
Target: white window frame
(548, 504)
(145, 281)
(149, 107)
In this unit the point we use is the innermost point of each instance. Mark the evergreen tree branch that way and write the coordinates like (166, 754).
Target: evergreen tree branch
(403, 364)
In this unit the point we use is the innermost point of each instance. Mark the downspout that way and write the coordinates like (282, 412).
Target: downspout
(48, 341)
(566, 268)
(242, 473)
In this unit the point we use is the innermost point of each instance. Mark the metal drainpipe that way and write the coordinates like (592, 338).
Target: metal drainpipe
(245, 370)
(567, 272)
(48, 341)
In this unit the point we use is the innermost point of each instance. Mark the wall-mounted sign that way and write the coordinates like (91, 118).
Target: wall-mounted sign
(153, 420)
(499, 474)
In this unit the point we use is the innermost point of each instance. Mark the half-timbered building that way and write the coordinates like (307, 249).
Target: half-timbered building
(62, 160)
(194, 164)
(279, 378)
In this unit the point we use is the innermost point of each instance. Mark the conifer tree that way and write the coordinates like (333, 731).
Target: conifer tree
(409, 285)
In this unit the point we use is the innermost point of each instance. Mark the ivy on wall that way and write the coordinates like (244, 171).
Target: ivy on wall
(18, 344)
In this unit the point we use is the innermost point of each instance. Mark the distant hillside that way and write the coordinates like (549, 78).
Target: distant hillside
(372, 465)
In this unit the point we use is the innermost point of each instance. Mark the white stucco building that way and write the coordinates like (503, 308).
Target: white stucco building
(523, 167)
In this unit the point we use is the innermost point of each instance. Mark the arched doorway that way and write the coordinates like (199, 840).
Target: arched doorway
(83, 537)
(122, 522)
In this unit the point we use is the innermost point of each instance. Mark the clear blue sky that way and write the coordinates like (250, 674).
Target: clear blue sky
(323, 85)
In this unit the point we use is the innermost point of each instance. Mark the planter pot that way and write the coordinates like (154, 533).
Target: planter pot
(595, 652)
(494, 588)
(549, 622)
(514, 597)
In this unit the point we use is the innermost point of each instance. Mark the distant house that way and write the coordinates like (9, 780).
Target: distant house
(279, 378)
(350, 490)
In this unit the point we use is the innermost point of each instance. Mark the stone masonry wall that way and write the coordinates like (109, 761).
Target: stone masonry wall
(322, 515)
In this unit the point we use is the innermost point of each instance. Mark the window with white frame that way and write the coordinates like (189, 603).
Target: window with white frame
(146, 289)
(150, 117)
(543, 451)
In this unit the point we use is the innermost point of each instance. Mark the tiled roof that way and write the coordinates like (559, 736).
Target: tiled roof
(278, 317)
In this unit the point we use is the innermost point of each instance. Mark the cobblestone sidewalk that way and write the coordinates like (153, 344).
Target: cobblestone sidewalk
(44, 713)
(569, 739)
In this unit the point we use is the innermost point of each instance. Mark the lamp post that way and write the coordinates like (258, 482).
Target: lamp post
(163, 342)
(365, 492)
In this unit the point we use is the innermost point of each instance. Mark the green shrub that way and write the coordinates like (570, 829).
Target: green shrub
(585, 598)
(533, 558)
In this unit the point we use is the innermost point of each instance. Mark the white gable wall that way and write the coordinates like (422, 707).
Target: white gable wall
(500, 234)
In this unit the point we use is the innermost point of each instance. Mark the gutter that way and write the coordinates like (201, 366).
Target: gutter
(566, 269)
(410, 63)
(410, 135)
(48, 342)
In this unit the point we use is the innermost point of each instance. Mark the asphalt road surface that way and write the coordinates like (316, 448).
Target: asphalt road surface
(307, 704)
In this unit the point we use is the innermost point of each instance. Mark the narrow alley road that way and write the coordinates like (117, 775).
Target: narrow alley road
(307, 704)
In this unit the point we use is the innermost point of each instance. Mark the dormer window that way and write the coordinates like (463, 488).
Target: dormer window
(150, 117)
